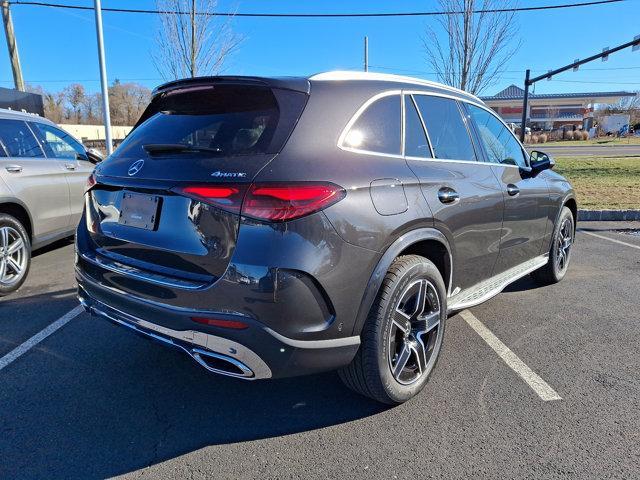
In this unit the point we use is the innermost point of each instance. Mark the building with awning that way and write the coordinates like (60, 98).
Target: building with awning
(551, 110)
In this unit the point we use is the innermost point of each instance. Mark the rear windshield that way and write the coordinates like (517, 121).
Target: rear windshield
(220, 120)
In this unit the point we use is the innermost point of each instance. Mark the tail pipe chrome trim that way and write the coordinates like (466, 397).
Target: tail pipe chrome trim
(214, 362)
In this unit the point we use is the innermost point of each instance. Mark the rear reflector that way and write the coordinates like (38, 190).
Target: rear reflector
(274, 202)
(218, 322)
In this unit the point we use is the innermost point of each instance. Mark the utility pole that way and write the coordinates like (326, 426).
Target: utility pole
(192, 67)
(12, 45)
(103, 78)
(366, 54)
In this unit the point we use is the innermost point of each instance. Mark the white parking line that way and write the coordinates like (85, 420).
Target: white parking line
(38, 337)
(537, 384)
(610, 239)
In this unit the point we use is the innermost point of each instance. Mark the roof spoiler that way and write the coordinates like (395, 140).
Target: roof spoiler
(297, 84)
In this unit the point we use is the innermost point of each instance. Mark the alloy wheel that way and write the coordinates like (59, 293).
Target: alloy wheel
(13, 256)
(563, 246)
(413, 334)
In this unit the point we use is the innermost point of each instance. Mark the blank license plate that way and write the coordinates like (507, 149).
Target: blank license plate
(139, 210)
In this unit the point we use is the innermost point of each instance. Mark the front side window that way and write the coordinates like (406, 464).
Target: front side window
(377, 129)
(18, 140)
(447, 131)
(58, 143)
(499, 143)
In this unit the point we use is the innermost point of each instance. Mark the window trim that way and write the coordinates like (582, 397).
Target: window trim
(433, 94)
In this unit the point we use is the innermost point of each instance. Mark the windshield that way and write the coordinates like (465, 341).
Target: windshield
(221, 120)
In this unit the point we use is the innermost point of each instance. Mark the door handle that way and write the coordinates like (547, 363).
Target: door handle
(69, 166)
(448, 195)
(13, 168)
(512, 190)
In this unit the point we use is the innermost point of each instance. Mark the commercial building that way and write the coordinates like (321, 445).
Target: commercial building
(551, 110)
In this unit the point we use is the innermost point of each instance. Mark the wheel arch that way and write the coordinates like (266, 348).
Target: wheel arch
(571, 204)
(19, 211)
(426, 242)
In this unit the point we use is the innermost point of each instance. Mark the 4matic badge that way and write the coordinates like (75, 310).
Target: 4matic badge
(220, 174)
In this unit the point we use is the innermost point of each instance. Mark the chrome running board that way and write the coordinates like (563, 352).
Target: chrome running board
(491, 287)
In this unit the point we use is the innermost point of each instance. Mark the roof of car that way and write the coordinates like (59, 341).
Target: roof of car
(301, 84)
(15, 114)
(346, 75)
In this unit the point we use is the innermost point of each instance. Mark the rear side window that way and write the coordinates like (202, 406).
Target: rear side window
(499, 143)
(57, 143)
(217, 120)
(415, 139)
(377, 129)
(17, 139)
(447, 131)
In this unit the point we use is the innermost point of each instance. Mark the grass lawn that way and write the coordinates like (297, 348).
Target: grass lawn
(594, 141)
(603, 183)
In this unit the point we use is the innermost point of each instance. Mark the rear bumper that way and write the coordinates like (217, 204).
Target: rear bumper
(255, 353)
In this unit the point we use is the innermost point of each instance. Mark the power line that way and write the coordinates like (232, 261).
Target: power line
(321, 15)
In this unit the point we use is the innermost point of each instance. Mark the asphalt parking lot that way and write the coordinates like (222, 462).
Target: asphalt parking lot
(91, 400)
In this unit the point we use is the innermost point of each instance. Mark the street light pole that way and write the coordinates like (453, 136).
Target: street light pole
(525, 105)
(103, 79)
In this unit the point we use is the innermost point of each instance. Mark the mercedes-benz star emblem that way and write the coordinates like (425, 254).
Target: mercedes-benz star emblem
(135, 167)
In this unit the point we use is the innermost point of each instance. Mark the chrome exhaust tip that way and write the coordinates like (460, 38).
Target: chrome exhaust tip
(221, 364)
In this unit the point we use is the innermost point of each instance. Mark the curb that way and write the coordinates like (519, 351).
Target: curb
(608, 215)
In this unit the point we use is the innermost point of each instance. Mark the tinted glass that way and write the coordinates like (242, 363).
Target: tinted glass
(448, 133)
(222, 120)
(18, 139)
(499, 142)
(415, 140)
(57, 143)
(377, 129)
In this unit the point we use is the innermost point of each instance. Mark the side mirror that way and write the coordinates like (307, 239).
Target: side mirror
(539, 161)
(94, 155)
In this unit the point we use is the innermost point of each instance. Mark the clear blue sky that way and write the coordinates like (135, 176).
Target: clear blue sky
(58, 47)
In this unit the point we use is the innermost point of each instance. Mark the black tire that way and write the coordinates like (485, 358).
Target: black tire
(370, 373)
(13, 281)
(560, 252)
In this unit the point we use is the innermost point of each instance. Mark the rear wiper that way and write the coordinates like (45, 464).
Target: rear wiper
(154, 148)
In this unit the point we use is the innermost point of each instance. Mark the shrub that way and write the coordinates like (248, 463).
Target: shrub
(568, 135)
(542, 138)
(527, 138)
(534, 139)
(585, 135)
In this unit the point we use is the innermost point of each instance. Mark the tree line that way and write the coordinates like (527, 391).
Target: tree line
(74, 105)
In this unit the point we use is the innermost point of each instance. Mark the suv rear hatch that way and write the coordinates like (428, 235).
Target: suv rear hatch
(146, 211)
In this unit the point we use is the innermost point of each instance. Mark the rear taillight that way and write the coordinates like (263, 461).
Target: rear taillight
(274, 202)
(282, 202)
(226, 197)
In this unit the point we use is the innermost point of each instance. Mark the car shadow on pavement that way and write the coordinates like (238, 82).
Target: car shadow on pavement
(105, 402)
(522, 285)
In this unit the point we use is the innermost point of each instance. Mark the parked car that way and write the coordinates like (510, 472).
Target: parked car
(43, 171)
(274, 227)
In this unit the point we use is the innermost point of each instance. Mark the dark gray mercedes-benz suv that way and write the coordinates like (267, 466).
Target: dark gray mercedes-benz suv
(272, 227)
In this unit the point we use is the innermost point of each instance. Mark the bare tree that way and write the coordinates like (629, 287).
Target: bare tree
(477, 46)
(192, 42)
(75, 95)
